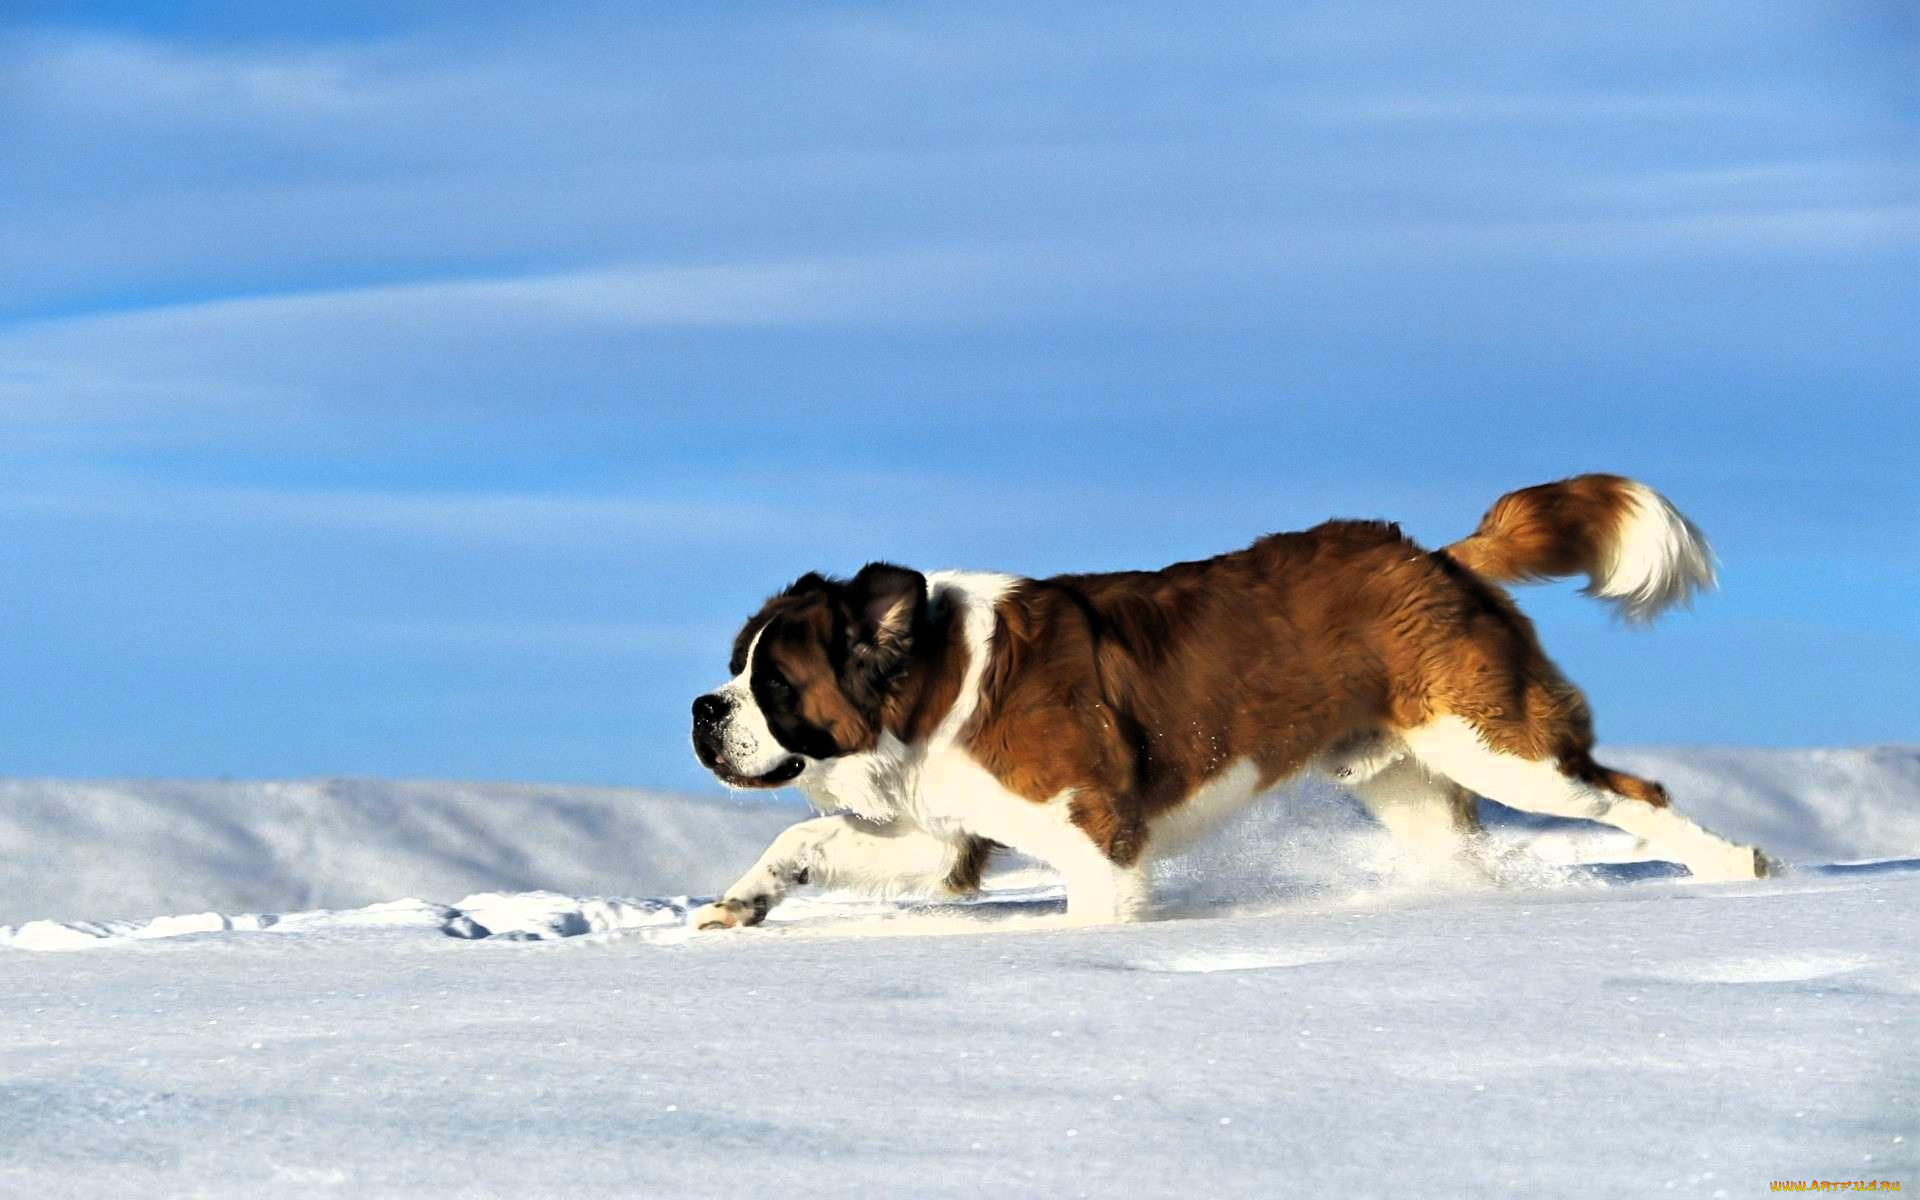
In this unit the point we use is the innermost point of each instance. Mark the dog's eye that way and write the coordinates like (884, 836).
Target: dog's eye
(779, 687)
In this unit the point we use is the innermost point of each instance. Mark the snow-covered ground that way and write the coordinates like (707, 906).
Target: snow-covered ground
(1304, 1018)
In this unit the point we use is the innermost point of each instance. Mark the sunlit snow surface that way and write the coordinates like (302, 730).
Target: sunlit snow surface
(1308, 1014)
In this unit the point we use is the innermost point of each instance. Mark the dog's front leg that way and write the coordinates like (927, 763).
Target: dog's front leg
(840, 851)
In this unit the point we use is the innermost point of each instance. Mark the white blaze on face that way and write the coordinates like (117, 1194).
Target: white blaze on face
(746, 742)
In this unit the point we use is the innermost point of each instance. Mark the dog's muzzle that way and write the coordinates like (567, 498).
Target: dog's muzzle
(711, 716)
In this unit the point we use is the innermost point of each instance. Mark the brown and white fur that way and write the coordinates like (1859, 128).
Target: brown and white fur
(1095, 722)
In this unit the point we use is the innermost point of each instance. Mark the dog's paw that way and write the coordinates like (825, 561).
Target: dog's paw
(1732, 864)
(730, 913)
(1356, 759)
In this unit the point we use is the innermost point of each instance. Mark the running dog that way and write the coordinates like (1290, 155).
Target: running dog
(1094, 722)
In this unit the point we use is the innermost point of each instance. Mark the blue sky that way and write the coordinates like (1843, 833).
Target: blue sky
(429, 390)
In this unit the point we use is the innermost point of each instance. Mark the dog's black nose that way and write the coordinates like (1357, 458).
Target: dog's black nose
(708, 710)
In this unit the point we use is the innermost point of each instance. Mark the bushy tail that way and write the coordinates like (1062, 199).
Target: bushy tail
(1636, 550)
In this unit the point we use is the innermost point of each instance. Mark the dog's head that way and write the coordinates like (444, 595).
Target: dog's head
(812, 673)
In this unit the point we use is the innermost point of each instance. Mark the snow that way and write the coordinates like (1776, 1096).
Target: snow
(131, 849)
(1306, 1016)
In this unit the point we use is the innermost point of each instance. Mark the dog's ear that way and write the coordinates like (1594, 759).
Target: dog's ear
(811, 582)
(889, 602)
(887, 605)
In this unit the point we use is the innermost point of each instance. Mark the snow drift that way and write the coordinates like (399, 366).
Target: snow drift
(131, 849)
(119, 851)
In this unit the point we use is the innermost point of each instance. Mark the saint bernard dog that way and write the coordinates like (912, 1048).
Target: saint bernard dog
(1095, 722)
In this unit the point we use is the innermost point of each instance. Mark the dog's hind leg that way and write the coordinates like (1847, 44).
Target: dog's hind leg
(1430, 817)
(1573, 785)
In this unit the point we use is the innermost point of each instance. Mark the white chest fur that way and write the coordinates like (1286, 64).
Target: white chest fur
(933, 785)
(940, 789)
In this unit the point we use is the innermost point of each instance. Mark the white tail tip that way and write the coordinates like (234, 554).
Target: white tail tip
(1658, 559)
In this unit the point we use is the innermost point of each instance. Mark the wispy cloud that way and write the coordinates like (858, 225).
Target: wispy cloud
(970, 281)
(1765, 185)
(817, 519)
(473, 518)
(1754, 234)
(592, 638)
(743, 294)
(148, 79)
(596, 140)
(298, 92)
(1510, 109)
(161, 373)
